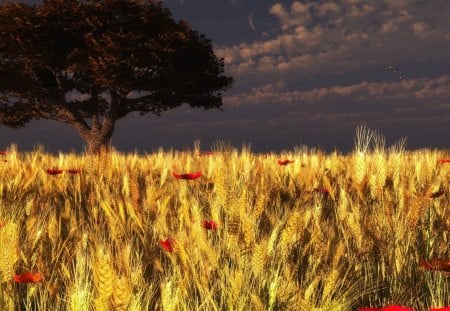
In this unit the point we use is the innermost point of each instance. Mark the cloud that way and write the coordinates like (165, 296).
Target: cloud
(421, 29)
(331, 37)
(429, 89)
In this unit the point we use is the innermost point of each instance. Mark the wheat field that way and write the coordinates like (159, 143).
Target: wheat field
(319, 232)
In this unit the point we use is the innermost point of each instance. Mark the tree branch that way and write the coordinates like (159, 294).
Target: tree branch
(136, 104)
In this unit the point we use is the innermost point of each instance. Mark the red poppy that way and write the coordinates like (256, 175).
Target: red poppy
(167, 244)
(2, 152)
(324, 191)
(187, 176)
(74, 171)
(207, 152)
(284, 162)
(442, 161)
(436, 265)
(396, 308)
(54, 171)
(209, 225)
(440, 309)
(28, 277)
(388, 308)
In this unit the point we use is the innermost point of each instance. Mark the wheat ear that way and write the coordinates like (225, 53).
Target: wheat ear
(259, 258)
(122, 293)
(9, 252)
(103, 278)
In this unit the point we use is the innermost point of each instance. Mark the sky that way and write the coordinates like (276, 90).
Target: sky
(307, 73)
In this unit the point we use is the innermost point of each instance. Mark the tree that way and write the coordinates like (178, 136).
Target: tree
(90, 63)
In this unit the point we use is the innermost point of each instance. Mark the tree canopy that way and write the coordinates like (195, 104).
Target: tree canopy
(78, 61)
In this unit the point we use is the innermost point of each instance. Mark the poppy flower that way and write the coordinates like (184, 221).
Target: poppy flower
(396, 308)
(284, 162)
(436, 265)
(3, 152)
(74, 171)
(187, 176)
(209, 225)
(442, 161)
(388, 308)
(54, 171)
(167, 244)
(28, 277)
(440, 309)
(207, 152)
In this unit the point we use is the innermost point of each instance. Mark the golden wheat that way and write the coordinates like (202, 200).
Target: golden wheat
(257, 304)
(259, 258)
(248, 225)
(104, 276)
(236, 287)
(135, 194)
(311, 290)
(380, 164)
(290, 233)
(9, 252)
(122, 293)
(330, 284)
(256, 214)
(360, 167)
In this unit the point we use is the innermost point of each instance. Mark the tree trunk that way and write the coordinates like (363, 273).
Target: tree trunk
(98, 144)
(98, 135)
(98, 138)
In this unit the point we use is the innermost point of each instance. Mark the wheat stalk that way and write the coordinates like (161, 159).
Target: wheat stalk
(80, 291)
(104, 276)
(259, 257)
(135, 194)
(312, 289)
(330, 284)
(122, 293)
(289, 235)
(9, 252)
(220, 187)
(373, 183)
(247, 227)
(380, 164)
(236, 287)
(360, 167)
(355, 228)
(257, 304)
(260, 203)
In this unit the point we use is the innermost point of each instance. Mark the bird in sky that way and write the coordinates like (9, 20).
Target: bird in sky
(402, 76)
